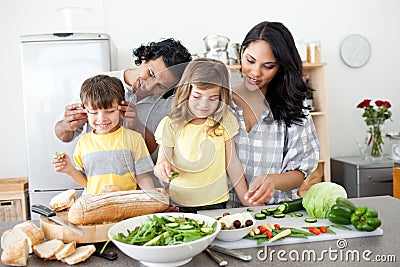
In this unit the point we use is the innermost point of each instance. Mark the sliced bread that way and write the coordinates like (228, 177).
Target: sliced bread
(80, 254)
(66, 251)
(16, 254)
(63, 200)
(48, 249)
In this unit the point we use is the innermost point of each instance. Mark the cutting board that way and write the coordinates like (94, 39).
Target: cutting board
(93, 232)
(292, 222)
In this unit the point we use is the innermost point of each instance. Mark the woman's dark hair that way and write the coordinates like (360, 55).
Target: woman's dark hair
(173, 53)
(287, 91)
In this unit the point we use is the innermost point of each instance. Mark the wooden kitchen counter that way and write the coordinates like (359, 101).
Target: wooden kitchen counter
(386, 247)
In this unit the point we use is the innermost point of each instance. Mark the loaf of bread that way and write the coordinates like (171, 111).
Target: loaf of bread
(63, 200)
(26, 230)
(116, 206)
(16, 253)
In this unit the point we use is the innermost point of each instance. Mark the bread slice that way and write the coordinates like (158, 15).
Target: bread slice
(48, 249)
(66, 251)
(10, 236)
(80, 254)
(16, 254)
(64, 200)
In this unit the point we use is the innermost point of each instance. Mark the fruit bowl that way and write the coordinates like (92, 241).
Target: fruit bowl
(172, 255)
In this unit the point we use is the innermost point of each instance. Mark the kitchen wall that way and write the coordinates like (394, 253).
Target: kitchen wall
(131, 23)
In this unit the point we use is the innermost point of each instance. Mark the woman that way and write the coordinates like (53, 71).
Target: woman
(160, 66)
(277, 142)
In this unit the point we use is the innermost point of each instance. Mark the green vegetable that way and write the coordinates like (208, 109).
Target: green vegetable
(161, 231)
(250, 209)
(291, 206)
(260, 216)
(60, 155)
(174, 175)
(310, 220)
(346, 203)
(341, 227)
(365, 219)
(340, 212)
(321, 197)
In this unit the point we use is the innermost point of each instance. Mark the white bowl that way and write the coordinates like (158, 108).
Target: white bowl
(234, 235)
(174, 255)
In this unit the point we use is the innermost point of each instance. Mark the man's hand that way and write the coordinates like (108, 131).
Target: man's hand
(129, 114)
(74, 115)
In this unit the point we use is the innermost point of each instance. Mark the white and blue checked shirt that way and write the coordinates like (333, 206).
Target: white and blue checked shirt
(273, 148)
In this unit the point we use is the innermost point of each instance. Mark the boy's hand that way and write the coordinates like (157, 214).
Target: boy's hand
(62, 163)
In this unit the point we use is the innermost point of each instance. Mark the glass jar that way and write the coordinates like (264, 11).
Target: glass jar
(314, 52)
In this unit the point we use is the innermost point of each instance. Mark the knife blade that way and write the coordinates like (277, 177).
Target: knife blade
(231, 252)
(45, 211)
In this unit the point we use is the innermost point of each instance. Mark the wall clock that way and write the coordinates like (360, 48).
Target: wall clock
(355, 50)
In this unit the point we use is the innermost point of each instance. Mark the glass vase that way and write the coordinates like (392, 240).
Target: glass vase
(374, 140)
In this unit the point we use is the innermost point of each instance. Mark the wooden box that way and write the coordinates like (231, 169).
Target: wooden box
(14, 199)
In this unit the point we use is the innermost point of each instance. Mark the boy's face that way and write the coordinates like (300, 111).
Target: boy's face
(103, 121)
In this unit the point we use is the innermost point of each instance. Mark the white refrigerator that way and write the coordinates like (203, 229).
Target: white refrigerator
(53, 69)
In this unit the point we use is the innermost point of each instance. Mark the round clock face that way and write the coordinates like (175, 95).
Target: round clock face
(355, 50)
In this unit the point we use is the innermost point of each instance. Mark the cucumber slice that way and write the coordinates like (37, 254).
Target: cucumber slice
(186, 227)
(271, 209)
(278, 215)
(282, 208)
(310, 220)
(265, 211)
(206, 229)
(298, 214)
(260, 216)
(250, 209)
(169, 218)
(172, 224)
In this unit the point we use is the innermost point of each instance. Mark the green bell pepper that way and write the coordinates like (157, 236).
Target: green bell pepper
(365, 219)
(341, 212)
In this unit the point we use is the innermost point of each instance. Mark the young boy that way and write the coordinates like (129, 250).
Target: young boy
(110, 154)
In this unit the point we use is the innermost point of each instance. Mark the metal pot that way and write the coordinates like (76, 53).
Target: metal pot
(216, 43)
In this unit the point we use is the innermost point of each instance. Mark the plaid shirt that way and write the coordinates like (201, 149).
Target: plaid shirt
(272, 147)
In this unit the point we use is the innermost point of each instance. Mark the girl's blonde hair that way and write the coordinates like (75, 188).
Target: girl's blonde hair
(203, 73)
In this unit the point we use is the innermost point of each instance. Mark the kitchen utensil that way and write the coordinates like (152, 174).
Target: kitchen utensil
(216, 258)
(231, 252)
(45, 211)
(108, 255)
(216, 43)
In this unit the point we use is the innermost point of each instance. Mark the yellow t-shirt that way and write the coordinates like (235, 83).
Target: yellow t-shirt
(112, 159)
(200, 160)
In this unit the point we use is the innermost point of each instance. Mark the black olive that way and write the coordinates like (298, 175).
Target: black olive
(249, 222)
(237, 224)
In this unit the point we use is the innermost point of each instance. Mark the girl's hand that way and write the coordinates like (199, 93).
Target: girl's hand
(163, 171)
(62, 163)
(261, 190)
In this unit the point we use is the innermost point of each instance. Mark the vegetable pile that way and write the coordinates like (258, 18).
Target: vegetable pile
(362, 218)
(321, 197)
(166, 231)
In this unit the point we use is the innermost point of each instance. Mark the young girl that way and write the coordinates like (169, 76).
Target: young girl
(196, 140)
(110, 154)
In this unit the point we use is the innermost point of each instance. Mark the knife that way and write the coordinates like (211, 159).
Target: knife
(231, 252)
(216, 258)
(45, 211)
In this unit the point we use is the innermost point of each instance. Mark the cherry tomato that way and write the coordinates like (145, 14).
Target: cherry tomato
(268, 233)
(262, 229)
(323, 229)
(277, 226)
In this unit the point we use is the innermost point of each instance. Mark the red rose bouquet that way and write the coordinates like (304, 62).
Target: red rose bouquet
(375, 116)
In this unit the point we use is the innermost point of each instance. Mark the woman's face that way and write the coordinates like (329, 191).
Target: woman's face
(259, 65)
(204, 103)
(153, 78)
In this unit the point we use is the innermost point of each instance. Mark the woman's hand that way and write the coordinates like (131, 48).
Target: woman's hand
(261, 190)
(62, 163)
(163, 170)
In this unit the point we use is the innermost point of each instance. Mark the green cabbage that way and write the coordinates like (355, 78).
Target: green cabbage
(320, 198)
